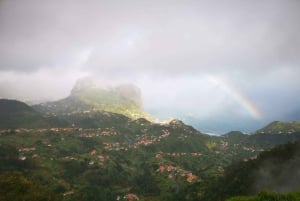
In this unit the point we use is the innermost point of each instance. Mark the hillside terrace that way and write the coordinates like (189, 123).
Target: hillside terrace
(143, 140)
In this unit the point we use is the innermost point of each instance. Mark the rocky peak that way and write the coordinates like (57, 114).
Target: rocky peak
(124, 91)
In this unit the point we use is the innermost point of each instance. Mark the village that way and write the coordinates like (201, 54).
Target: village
(134, 142)
(99, 149)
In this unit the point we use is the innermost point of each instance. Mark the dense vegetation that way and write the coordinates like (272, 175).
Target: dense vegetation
(275, 170)
(107, 156)
(278, 127)
(269, 196)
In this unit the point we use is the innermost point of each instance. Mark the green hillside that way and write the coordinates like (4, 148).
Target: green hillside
(275, 170)
(88, 97)
(101, 155)
(269, 196)
(279, 127)
(16, 114)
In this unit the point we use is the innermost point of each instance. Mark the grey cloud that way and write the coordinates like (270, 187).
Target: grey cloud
(158, 36)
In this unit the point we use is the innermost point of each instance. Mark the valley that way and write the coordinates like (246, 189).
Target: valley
(76, 150)
(108, 152)
(149, 100)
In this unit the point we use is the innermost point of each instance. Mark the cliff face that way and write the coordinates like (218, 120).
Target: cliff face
(122, 91)
(87, 96)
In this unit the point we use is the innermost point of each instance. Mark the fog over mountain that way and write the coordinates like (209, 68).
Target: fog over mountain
(218, 65)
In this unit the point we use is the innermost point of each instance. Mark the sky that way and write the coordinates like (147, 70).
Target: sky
(218, 65)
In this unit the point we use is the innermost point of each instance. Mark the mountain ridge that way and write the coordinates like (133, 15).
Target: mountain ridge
(280, 127)
(14, 108)
(86, 96)
(15, 114)
(97, 152)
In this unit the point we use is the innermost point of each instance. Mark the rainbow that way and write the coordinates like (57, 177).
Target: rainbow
(240, 98)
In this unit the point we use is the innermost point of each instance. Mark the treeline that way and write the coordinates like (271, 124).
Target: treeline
(269, 196)
(275, 170)
(15, 184)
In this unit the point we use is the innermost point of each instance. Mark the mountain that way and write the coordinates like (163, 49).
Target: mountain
(93, 154)
(87, 97)
(106, 155)
(279, 127)
(14, 108)
(275, 170)
(16, 114)
(235, 137)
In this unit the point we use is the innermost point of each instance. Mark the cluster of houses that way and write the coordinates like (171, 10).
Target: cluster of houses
(148, 140)
(177, 154)
(19, 130)
(173, 171)
(83, 132)
(128, 197)
(89, 133)
(40, 130)
(115, 146)
(289, 131)
(141, 140)
(249, 149)
(24, 150)
(224, 144)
